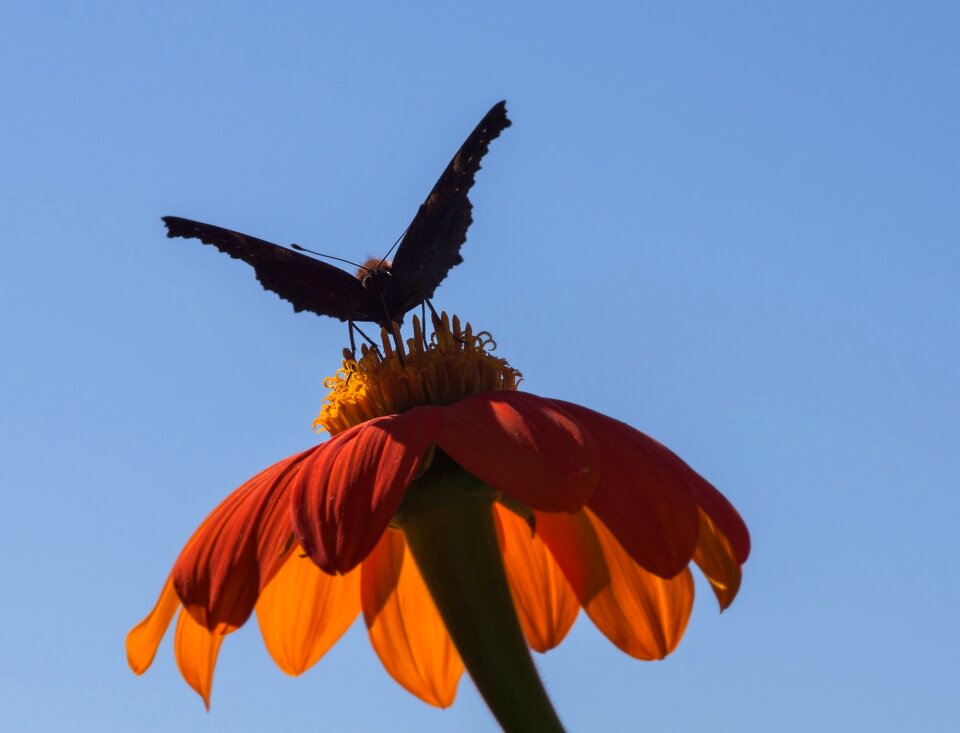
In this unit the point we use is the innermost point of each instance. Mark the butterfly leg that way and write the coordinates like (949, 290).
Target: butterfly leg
(423, 321)
(353, 347)
(353, 343)
(436, 317)
(433, 311)
(352, 326)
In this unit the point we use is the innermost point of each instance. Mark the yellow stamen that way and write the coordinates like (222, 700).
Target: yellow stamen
(452, 364)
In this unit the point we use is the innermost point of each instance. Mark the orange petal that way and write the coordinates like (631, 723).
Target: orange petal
(545, 603)
(405, 628)
(644, 494)
(145, 637)
(715, 557)
(196, 651)
(345, 496)
(643, 614)
(303, 612)
(237, 548)
(526, 446)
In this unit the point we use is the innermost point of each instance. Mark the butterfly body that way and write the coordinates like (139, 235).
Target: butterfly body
(381, 291)
(375, 275)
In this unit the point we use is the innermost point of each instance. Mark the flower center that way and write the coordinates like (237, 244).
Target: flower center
(451, 364)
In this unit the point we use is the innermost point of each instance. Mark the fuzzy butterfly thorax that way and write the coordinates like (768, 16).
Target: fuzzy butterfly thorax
(381, 292)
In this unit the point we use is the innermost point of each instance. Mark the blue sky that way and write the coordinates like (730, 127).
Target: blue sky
(734, 228)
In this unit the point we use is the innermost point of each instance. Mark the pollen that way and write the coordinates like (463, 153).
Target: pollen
(452, 363)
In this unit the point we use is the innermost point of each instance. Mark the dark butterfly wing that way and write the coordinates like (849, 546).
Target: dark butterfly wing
(309, 284)
(431, 245)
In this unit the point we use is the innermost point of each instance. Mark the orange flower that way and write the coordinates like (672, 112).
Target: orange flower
(588, 513)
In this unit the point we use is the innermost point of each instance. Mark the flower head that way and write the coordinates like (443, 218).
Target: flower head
(584, 512)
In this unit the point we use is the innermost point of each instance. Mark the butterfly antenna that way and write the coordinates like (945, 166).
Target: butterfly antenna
(394, 246)
(329, 257)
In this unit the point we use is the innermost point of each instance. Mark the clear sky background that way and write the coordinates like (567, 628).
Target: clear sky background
(735, 228)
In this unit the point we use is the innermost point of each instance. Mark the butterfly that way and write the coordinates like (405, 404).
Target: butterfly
(381, 291)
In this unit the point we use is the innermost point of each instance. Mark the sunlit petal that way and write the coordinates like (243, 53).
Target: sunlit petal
(643, 614)
(144, 638)
(344, 497)
(643, 495)
(588, 512)
(716, 559)
(526, 446)
(196, 651)
(545, 603)
(405, 628)
(303, 611)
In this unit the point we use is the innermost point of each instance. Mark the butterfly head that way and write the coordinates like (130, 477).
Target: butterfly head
(375, 275)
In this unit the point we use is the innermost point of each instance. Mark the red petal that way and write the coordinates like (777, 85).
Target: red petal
(643, 495)
(344, 497)
(723, 515)
(237, 548)
(525, 446)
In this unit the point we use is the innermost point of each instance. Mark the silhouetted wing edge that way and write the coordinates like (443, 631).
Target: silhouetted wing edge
(308, 284)
(431, 246)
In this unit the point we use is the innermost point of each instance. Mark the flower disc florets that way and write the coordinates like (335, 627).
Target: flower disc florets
(452, 364)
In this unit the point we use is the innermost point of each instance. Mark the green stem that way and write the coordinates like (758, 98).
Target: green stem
(449, 526)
